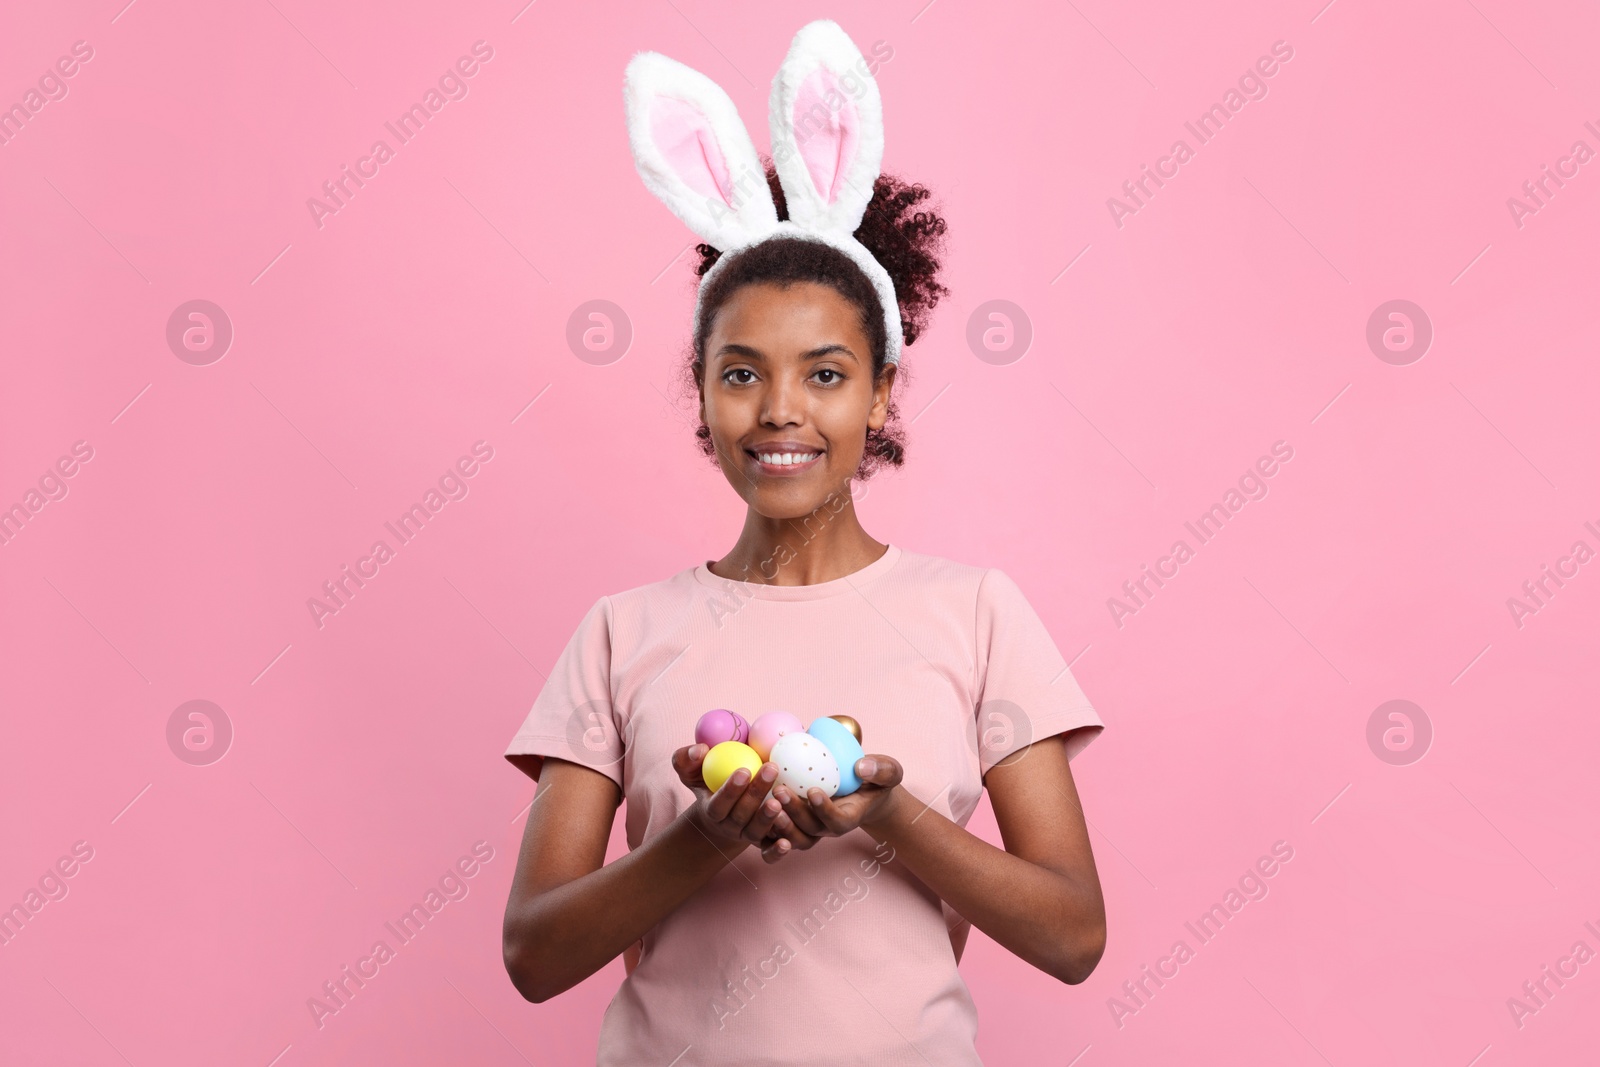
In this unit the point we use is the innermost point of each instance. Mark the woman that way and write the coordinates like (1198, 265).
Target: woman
(839, 942)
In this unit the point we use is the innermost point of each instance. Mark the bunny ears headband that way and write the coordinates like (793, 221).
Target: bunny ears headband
(826, 120)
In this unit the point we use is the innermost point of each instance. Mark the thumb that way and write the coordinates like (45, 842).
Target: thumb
(687, 762)
(878, 770)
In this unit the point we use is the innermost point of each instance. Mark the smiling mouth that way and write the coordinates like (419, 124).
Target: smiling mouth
(782, 463)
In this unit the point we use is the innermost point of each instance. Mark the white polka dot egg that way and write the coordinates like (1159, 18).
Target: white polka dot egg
(803, 762)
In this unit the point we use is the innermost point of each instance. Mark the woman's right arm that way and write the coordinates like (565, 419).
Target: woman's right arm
(570, 913)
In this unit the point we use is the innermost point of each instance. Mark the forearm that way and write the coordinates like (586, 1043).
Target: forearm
(555, 939)
(1048, 918)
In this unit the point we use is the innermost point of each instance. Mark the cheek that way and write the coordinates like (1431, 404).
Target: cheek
(844, 423)
(731, 410)
(714, 407)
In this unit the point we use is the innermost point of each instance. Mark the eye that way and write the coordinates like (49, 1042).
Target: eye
(835, 380)
(727, 375)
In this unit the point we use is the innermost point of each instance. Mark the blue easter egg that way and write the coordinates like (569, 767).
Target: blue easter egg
(839, 741)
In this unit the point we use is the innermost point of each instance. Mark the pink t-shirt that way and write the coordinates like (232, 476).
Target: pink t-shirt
(836, 954)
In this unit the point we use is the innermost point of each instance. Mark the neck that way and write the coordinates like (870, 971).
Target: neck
(814, 547)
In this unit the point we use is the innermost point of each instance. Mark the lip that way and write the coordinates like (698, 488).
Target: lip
(783, 470)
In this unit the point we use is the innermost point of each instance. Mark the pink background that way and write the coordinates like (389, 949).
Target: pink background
(1227, 314)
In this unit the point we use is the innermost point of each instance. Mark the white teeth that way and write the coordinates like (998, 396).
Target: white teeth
(784, 459)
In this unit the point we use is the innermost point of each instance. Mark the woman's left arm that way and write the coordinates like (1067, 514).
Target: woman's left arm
(1040, 897)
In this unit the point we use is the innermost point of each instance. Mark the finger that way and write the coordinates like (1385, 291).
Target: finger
(799, 811)
(805, 818)
(876, 769)
(741, 796)
(759, 828)
(785, 827)
(828, 813)
(777, 850)
(747, 807)
(687, 761)
(724, 799)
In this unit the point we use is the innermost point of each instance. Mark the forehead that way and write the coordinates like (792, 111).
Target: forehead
(798, 316)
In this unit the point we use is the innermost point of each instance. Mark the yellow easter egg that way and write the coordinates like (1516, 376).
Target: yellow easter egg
(724, 759)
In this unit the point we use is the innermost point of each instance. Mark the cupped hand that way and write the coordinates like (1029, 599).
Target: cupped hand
(741, 812)
(817, 815)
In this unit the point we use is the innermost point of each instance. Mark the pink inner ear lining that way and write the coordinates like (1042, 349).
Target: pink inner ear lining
(683, 134)
(826, 135)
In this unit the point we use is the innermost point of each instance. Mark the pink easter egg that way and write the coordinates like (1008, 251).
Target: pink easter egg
(766, 730)
(719, 725)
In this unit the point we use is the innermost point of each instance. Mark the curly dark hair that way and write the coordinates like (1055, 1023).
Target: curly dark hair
(907, 241)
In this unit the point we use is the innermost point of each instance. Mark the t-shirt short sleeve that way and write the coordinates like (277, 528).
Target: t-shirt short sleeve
(573, 717)
(1025, 690)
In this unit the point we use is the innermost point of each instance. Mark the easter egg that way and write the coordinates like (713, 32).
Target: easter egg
(844, 748)
(719, 725)
(724, 759)
(849, 724)
(804, 762)
(766, 730)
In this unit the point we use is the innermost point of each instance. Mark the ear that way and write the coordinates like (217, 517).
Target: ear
(694, 153)
(827, 129)
(878, 413)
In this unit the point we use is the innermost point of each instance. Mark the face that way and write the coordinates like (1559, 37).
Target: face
(788, 395)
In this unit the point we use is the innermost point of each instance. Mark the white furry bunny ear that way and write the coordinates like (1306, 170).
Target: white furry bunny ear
(694, 153)
(826, 119)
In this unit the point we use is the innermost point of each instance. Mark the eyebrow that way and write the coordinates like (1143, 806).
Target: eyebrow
(748, 352)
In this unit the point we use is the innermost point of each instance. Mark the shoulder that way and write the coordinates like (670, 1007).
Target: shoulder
(641, 601)
(943, 574)
(988, 599)
(672, 589)
(940, 568)
(972, 589)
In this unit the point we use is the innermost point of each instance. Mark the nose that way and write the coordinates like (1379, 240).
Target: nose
(783, 401)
